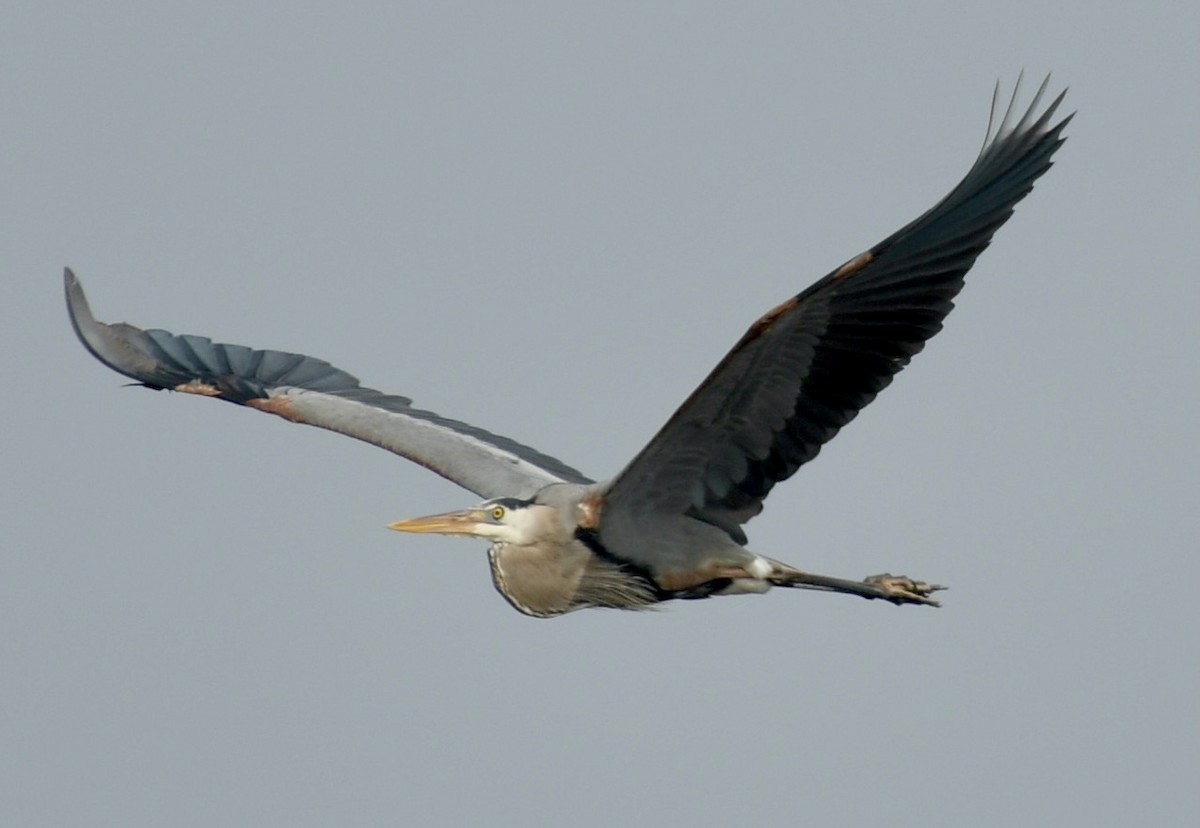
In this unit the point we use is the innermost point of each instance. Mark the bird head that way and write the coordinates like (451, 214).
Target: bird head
(500, 520)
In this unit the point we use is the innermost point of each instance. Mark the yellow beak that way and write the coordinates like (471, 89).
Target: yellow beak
(462, 522)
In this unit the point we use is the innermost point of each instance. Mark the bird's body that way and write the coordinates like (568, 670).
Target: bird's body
(669, 525)
(553, 562)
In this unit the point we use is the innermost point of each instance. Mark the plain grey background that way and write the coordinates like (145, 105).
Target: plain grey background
(552, 220)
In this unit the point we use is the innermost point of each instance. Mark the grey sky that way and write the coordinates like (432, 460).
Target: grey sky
(551, 221)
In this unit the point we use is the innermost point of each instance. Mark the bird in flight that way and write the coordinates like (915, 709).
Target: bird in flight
(669, 524)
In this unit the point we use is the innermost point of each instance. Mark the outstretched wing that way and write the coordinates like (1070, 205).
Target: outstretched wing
(311, 391)
(806, 368)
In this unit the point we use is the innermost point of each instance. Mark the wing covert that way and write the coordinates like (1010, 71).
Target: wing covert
(307, 390)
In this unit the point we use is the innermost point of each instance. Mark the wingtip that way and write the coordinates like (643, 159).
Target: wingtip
(77, 304)
(92, 334)
(1034, 120)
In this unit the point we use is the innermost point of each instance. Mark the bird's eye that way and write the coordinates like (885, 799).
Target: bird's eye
(497, 512)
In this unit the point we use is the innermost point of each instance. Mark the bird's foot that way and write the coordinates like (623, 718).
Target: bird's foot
(900, 589)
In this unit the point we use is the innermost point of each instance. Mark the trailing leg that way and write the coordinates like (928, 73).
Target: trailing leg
(899, 589)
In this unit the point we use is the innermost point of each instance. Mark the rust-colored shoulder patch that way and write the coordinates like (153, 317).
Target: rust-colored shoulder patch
(589, 510)
(767, 319)
(763, 322)
(279, 406)
(854, 265)
(684, 581)
(198, 387)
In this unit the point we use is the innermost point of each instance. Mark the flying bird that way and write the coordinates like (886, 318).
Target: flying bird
(669, 524)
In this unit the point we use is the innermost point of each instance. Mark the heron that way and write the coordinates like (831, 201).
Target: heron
(670, 524)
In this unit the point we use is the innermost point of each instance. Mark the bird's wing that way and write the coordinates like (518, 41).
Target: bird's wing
(311, 391)
(807, 367)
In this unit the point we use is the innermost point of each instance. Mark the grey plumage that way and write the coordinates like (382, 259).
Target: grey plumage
(669, 525)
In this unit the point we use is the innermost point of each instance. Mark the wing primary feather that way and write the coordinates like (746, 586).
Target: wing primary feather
(808, 367)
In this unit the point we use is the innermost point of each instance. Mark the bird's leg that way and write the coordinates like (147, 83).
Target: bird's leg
(898, 589)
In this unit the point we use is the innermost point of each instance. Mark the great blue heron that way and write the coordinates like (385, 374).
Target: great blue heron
(669, 525)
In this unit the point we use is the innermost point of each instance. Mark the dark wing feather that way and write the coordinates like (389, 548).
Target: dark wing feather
(810, 365)
(311, 391)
